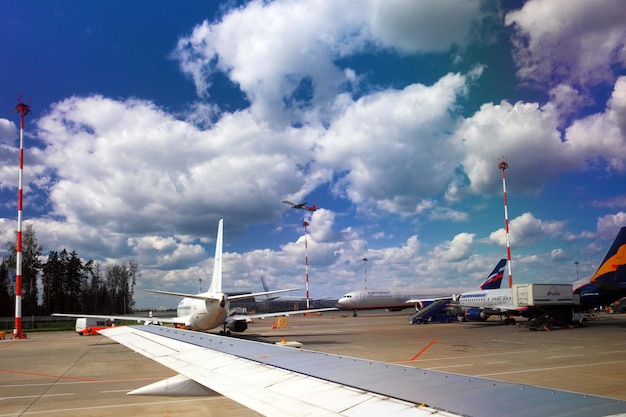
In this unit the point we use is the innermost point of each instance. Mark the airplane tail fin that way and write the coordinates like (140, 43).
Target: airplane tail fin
(494, 279)
(216, 280)
(266, 287)
(613, 267)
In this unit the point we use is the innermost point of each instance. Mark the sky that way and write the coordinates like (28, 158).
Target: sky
(149, 124)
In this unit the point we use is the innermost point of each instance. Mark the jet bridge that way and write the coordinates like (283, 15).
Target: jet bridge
(423, 315)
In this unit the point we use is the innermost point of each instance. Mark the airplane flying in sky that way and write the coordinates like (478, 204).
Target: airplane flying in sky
(302, 206)
(394, 300)
(607, 285)
(281, 381)
(208, 310)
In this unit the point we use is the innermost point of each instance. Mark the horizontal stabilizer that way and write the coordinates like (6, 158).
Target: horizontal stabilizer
(258, 294)
(202, 296)
(176, 386)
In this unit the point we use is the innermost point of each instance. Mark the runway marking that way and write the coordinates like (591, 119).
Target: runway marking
(8, 344)
(521, 371)
(564, 356)
(443, 358)
(85, 382)
(114, 391)
(11, 371)
(449, 366)
(424, 350)
(69, 410)
(36, 396)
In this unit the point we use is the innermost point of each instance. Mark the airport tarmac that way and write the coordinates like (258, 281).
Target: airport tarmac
(61, 373)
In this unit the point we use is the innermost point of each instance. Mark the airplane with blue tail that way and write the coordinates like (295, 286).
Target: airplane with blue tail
(606, 286)
(399, 299)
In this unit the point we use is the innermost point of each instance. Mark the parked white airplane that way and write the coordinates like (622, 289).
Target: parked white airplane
(607, 285)
(280, 381)
(395, 300)
(207, 310)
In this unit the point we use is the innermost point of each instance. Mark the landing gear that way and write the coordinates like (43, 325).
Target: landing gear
(225, 331)
(354, 314)
(509, 320)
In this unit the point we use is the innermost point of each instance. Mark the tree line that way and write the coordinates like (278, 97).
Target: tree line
(63, 283)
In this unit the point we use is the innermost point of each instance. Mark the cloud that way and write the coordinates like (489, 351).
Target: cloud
(525, 133)
(611, 223)
(274, 52)
(129, 165)
(8, 132)
(573, 42)
(458, 249)
(165, 252)
(599, 140)
(526, 230)
(9, 157)
(391, 147)
(614, 202)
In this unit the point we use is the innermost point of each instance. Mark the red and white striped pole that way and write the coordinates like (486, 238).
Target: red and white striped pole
(365, 271)
(504, 165)
(23, 109)
(306, 263)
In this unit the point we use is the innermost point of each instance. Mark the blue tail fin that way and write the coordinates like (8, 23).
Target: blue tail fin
(494, 279)
(612, 270)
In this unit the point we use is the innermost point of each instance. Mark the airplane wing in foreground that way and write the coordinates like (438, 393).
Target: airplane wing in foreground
(172, 320)
(281, 313)
(281, 381)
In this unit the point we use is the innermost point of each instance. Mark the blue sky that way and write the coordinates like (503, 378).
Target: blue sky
(151, 123)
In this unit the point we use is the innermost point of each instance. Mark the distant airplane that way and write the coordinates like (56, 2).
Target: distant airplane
(395, 300)
(275, 380)
(607, 285)
(302, 206)
(289, 298)
(207, 310)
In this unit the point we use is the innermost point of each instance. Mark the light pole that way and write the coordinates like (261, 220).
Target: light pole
(576, 263)
(365, 271)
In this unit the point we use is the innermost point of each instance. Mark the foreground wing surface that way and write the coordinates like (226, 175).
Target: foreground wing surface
(138, 319)
(285, 313)
(277, 381)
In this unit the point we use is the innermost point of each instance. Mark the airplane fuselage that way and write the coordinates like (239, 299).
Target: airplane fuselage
(486, 298)
(391, 299)
(202, 315)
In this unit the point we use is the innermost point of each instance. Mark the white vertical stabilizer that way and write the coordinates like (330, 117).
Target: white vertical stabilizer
(216, 281)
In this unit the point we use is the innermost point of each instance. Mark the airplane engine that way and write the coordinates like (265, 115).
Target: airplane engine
(238, 326)
(476, 314)
(421, 304)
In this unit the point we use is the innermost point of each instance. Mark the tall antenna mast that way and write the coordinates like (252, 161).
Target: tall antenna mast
(306, 262)
(365, 271)
(23, 109)
(504, 165)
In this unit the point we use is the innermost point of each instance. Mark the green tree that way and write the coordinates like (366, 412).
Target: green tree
(52, 279)
(65, 286)
(6, 295)
(120, 285)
